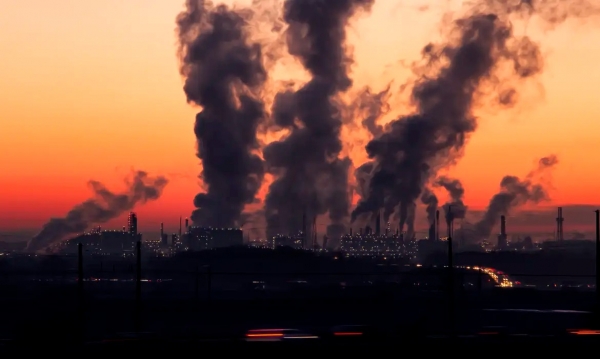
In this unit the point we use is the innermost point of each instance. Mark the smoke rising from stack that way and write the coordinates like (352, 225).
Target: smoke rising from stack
(430, 200)
(223, 74)
(456, 191)
(103, 207)
(308, 172)
(407, 156)
(514, 192)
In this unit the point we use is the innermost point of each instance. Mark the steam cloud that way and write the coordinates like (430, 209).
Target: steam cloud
(223, 73)
(407, 156)
(455, 208)
(310, 176)
(103, 207)
(514, 192)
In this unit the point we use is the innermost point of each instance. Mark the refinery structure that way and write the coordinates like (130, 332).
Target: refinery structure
(123, 242)
(372, 241)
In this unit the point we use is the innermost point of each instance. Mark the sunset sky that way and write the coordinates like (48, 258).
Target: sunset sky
(91, 89)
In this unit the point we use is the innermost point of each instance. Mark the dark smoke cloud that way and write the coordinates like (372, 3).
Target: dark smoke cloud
(455, 208)
(514, 192)
(373, 105)
(309, 174)
(103, 207)
(414, 147)
(223, 73)
(430, 200)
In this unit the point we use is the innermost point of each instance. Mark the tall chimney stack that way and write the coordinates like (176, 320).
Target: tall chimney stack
(187, 224)
(449, 221)
(378, 224)
(431, 234)
(437, 224)
(559, 225)
(598, 258)
(502, 239)
(179, 227)
(162, 230)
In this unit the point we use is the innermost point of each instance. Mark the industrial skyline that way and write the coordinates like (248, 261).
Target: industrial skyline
(305, 169)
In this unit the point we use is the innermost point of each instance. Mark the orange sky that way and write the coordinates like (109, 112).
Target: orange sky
(90, 89)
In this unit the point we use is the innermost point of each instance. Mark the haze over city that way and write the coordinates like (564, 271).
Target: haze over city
(94, 91)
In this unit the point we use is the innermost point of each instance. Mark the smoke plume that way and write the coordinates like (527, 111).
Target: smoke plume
(514, 192)
(414, 147)
(455, 207)
(309, 175)
(223, 74)
(103, 207)
(372, 105)
(430, 200)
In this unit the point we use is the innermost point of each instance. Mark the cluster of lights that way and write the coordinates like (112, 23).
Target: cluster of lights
(368, 245)
(501, 279)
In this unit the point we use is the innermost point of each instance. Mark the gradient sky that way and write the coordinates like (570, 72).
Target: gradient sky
(91, 89)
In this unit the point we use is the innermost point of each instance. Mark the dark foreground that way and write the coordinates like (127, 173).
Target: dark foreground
(465, 346)
(392, 320)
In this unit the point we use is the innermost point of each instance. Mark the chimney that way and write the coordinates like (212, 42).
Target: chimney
(437, 224)
(431, 235)
(179, 227)
(502, 242)
(598, 256)
(162, 230)
(186, 224)
(378, 224)
(559, 225)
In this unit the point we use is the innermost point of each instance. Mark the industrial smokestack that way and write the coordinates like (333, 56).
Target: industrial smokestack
(104, 206)
(316, 36)
(449, 221)
(559, 225)
(437, 224)
(479, 46)
(187, 224)
(378, 224)
(515, 192)
(223, 70)
(598, 259)
(162, 230)
(179, 227)
(503, 225)
(431, 235)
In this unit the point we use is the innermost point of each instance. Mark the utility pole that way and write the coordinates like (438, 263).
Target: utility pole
(598, 261)
(451, 309)
(80, 292)
(138, 287)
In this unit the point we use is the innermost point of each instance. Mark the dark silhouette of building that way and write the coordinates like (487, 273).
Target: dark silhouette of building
(201, 238)
(132, 225)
